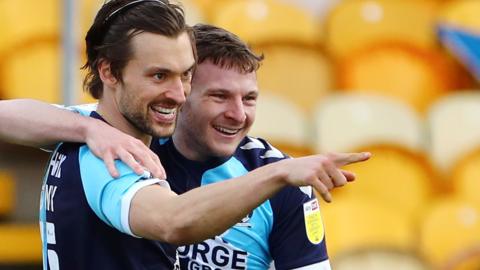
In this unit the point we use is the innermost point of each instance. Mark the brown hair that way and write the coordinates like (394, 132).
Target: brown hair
(225, 49)
(116, 23)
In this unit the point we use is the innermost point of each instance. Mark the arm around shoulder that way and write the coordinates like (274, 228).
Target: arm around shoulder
(35, 123)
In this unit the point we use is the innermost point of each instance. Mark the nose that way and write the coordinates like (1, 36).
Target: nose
(176, 91)
(236, 111)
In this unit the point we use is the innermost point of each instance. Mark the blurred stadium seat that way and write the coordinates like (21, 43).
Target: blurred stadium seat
(344, 122)
(352, 25)
(87, 9)
(461, 13)
(401, 179)
(299, 73)
(209, 8)
(466, 177)
(267, 21)
(397, 175)
(468, 259)
(194, 14)
(319, 9)
(7, 193)
(353, 225)
(23, 20)
(450, 227)
(410, 74)
(20, 244)
(454, 129)
(282, 123)
(32, 71)
(380, 259)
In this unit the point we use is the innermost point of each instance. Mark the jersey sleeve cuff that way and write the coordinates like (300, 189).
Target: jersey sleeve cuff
(127, 199)
(325, 265)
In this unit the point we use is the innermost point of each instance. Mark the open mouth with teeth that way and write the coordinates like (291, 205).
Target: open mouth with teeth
(227, 131)
(164, 114)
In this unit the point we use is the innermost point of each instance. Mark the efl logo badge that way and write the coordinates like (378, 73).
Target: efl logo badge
(313, 221)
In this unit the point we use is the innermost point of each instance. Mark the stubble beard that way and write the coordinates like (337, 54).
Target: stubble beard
(141, 121)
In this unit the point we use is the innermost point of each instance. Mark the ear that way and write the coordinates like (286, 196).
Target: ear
(105, 73)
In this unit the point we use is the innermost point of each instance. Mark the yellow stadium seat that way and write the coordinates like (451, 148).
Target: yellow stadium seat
(193, 13)
(395, 177)
(301, 74)
(282, 123)
(86, 10)
(462, 13)
(410, 74)
(21, 244)
(23, 20)
(380, 259)
(209, 7)
(267, 21)
(454, 129)
(319, 9)
(43, 59)
(355, 24)
(356, 225)
(7, 193)
(43, 79)
(466, 177)
(468, 259)
(448, 229)
(398, 174)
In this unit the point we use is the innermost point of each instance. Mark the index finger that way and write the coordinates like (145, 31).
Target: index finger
(342, 159)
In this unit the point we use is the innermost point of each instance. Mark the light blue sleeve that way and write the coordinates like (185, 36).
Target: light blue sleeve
(83, 109)
(110, 197)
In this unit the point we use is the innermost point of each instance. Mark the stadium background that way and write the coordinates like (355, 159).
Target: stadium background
(398, 78)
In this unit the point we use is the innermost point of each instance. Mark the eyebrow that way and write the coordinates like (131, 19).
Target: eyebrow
(166, 70)
(221, 90)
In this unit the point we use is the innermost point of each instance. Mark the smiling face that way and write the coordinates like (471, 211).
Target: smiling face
(154, 83)
(218, 114)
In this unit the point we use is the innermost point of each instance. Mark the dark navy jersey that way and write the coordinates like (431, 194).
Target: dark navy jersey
(286, 228)
(84, 215)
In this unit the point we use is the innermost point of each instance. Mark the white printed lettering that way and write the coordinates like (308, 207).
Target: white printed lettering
(49, 195)
(55, 165)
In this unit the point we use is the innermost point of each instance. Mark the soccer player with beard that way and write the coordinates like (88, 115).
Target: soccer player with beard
(209, 146)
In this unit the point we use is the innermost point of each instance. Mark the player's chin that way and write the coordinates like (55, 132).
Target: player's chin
(163, 130)
(224, 149)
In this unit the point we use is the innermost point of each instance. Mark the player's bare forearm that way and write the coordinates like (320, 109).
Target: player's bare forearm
(203, 212)
(39, 124)
(209, 210)
(36, 123)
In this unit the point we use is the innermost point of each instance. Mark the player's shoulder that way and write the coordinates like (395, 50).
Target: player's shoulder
(256, 152)
(92, 166)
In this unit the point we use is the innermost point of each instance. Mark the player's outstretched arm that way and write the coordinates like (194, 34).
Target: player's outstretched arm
(38, 124)
(204, 212)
